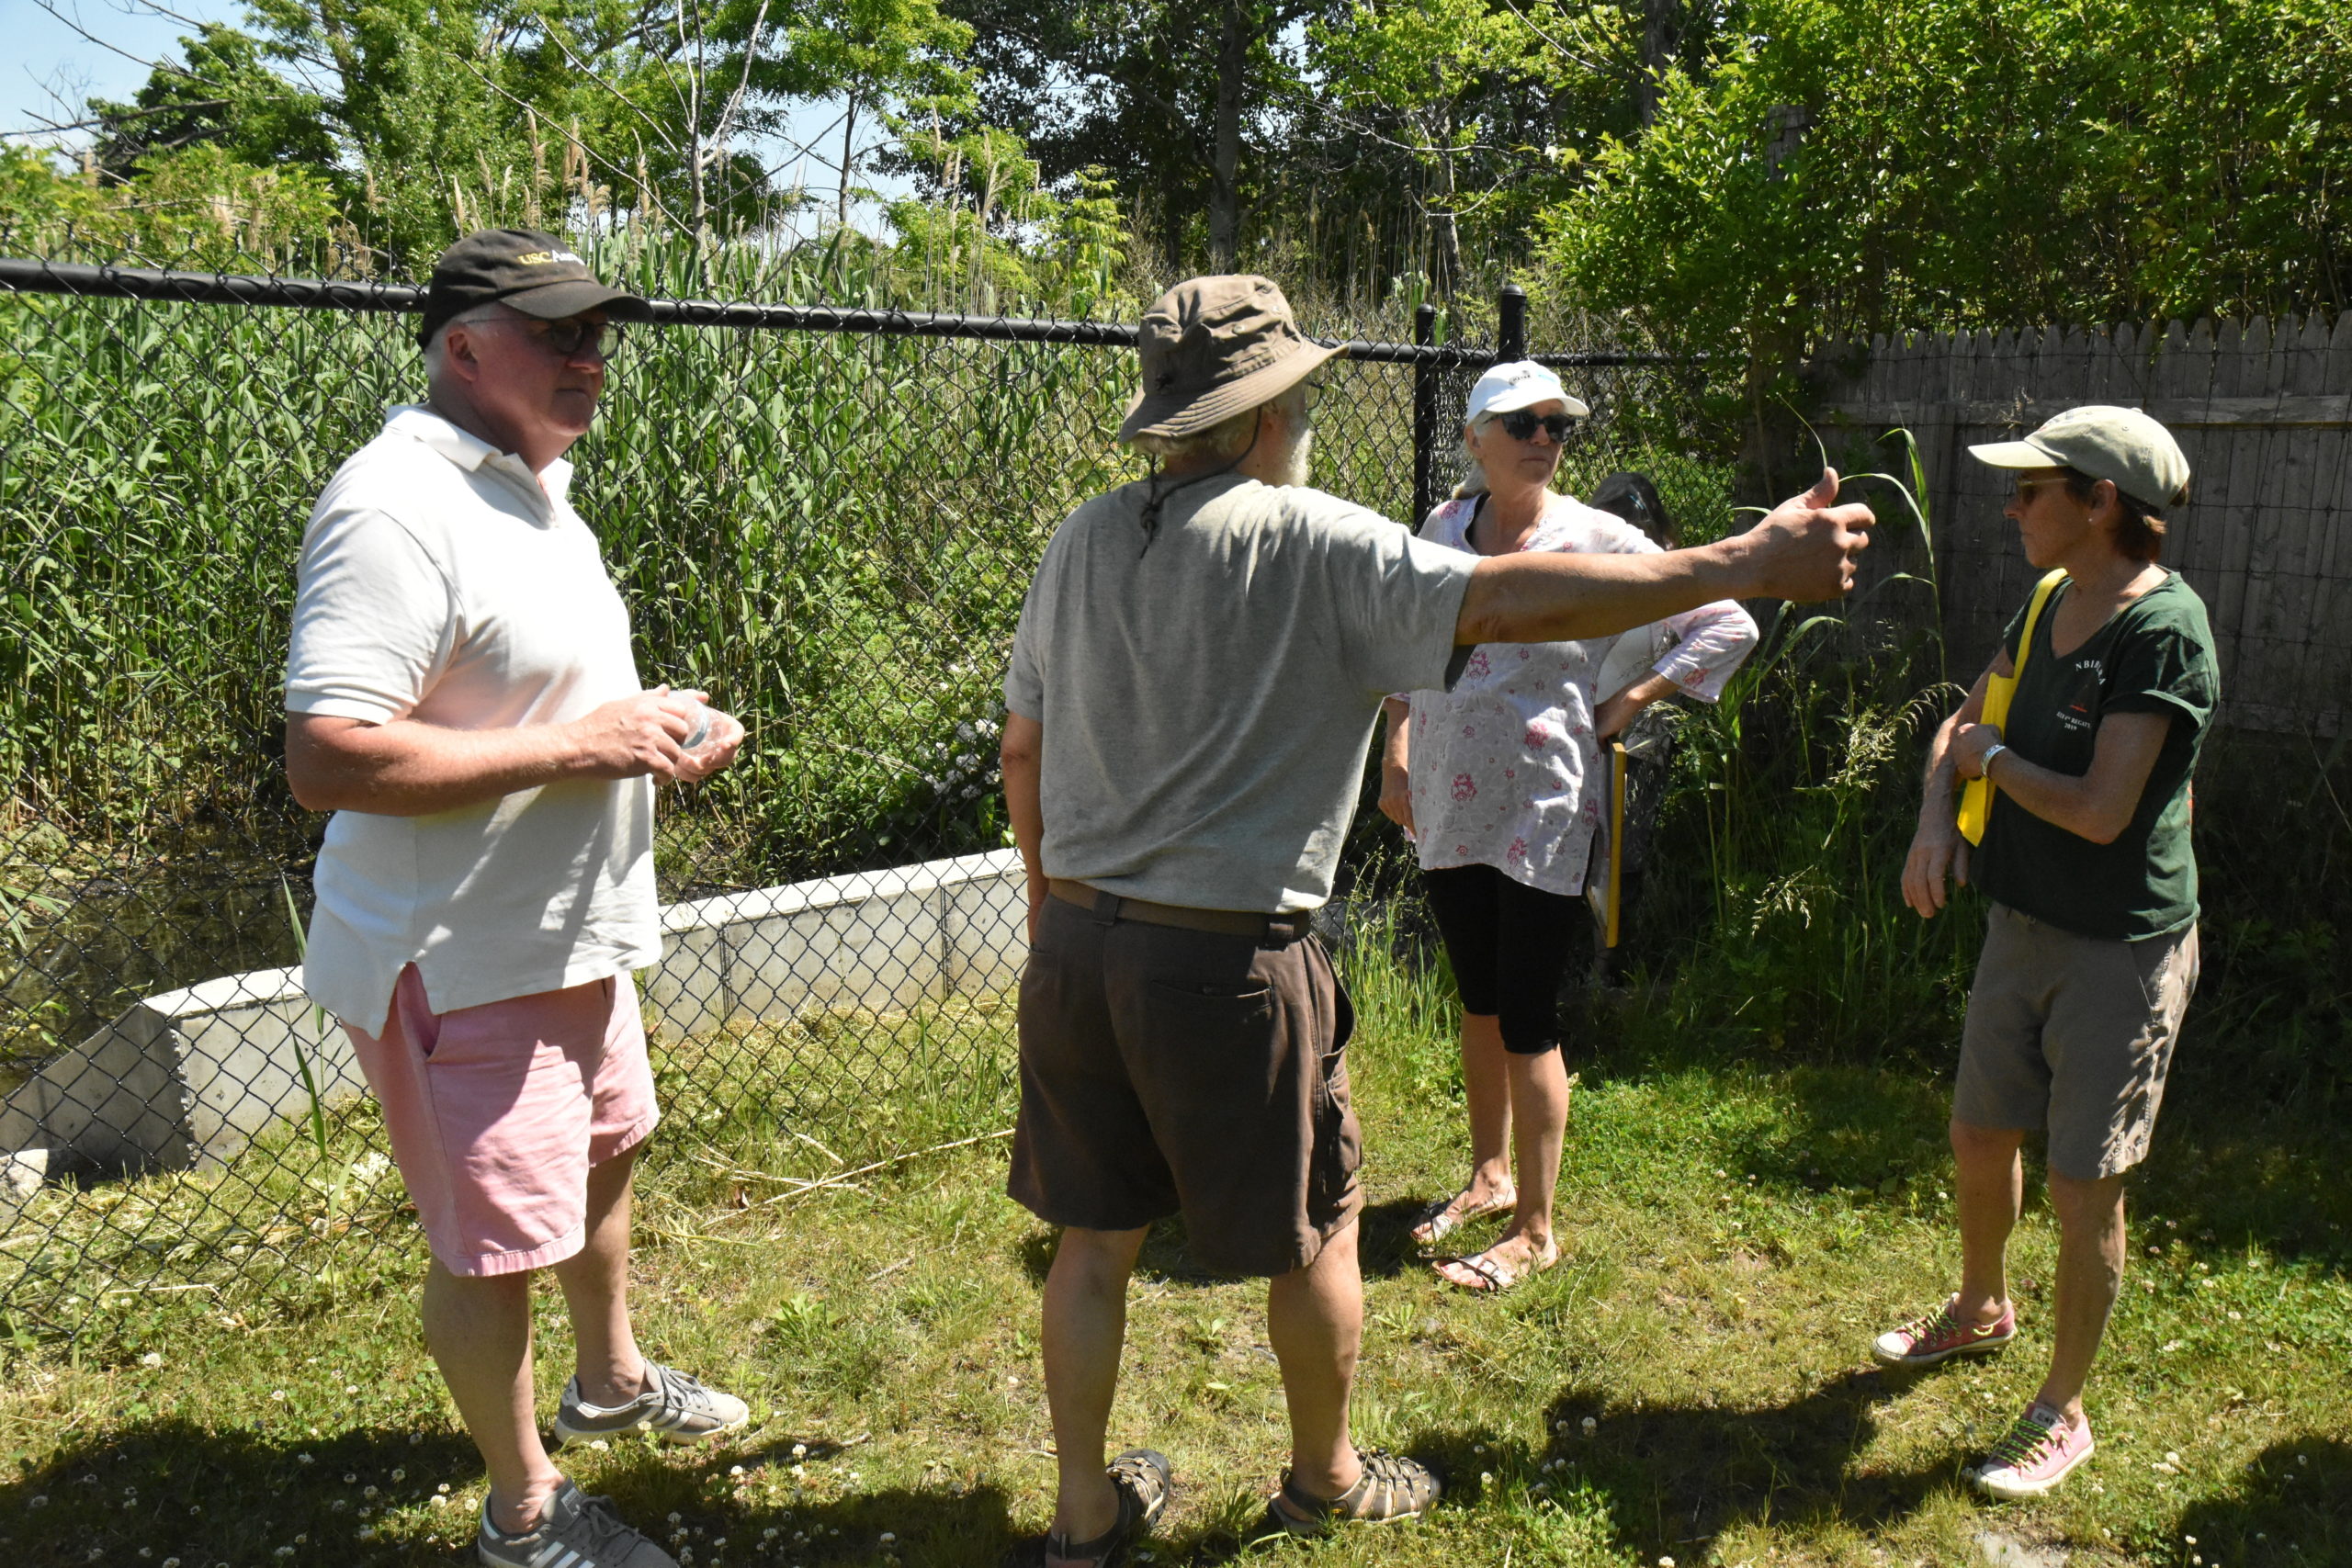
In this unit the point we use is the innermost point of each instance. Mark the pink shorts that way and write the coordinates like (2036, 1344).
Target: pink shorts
(497, 1111)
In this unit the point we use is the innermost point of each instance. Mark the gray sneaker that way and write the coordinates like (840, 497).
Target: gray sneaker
(575, 1530)
(673, 1407)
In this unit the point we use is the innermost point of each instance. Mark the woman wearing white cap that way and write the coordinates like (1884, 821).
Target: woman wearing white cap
(1493, 780)
(2090, 948)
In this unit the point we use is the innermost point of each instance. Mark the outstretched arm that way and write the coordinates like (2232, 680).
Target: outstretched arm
(1804, 549)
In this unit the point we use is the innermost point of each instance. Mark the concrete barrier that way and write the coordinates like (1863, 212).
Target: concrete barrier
(192, 1077)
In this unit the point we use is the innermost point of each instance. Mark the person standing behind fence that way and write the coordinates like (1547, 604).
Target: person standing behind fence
(1499, 780)
(2090, 946)
(1650, 736)
(461, 694)
(1193, 690)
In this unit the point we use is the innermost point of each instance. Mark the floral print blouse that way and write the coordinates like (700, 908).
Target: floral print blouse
(1499, 764)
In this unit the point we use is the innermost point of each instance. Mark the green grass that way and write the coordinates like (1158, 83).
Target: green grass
(1735, 1234)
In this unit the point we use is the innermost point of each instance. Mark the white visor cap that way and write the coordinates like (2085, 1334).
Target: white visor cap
(1520, 384)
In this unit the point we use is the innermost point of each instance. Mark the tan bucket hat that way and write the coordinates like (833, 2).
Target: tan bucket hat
(1213, 347)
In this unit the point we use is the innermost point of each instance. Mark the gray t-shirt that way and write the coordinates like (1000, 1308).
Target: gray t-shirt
(1207, 701)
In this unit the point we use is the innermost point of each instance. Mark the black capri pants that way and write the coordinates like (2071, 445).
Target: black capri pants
(1510, 945)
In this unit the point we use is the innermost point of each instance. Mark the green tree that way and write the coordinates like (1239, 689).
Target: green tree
(1851, 167)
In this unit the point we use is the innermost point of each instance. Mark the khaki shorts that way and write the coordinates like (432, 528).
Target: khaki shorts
(1167, 1071)
(2073, 1034)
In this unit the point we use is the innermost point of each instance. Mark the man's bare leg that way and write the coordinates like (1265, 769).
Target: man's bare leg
(1989, 1186)
(1314, 1317)
(2090, 1275)
(596, 1289)
(479, 1330)
(1085, 1327)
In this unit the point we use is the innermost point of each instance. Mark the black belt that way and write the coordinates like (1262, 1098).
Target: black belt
(1109, 909)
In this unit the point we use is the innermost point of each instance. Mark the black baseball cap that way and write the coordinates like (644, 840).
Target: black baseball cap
(523, 269)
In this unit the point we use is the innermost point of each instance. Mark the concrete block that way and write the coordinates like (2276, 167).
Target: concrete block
(193, 1075)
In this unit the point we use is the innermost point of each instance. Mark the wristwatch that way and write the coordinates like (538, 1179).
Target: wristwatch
(1985, 763)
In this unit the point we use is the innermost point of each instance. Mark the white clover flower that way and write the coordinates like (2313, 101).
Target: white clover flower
(152, 1359)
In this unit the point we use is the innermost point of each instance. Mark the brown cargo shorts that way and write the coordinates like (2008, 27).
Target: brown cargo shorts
(1166, 1071)
(2073, 1034)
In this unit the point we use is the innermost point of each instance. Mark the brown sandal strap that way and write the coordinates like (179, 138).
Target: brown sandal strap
(1143, 1479)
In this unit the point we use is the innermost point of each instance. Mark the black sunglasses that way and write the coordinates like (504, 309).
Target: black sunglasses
(1519, 425)
(568, 338)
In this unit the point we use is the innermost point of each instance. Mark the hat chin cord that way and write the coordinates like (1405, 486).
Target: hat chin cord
(1154, 498)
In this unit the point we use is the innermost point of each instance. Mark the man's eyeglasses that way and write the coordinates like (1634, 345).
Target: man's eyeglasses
(1520, 424)
(568, 338)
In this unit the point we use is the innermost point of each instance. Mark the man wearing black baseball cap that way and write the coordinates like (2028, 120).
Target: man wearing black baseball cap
(524, 270)
(461, 694)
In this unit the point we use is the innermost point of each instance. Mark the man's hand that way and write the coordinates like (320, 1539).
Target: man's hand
(1396, 796)
(1805, 547)
(1968, 744)
(1936, 852)
(719, 745)
(629, 737)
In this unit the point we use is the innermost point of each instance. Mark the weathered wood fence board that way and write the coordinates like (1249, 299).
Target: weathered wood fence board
(2264, 410)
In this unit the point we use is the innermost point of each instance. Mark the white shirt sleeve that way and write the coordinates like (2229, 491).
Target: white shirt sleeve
(375, 620)
(1711, 643)
(1704, 647)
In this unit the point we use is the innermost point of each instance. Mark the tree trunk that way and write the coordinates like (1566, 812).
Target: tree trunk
(1661, 43)
(1224, 186)
(849, 127)
(1445, 235)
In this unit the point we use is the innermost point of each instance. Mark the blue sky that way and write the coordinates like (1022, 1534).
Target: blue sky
(47, 54)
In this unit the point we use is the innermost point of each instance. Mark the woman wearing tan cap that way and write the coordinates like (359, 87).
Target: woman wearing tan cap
(2090, 948)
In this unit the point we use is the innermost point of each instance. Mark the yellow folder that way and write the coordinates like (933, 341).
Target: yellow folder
(1976, 796)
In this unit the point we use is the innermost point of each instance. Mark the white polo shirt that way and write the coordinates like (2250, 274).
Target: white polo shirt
(440, 582)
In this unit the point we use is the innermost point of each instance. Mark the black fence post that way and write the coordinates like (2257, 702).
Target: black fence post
(1424, 416)
(1511, 325)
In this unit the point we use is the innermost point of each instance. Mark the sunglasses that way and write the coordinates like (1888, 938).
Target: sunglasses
(568, 338)
(2029, 489)
(1520, 424)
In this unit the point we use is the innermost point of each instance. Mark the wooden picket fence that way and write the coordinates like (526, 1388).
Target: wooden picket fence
(2264, 411)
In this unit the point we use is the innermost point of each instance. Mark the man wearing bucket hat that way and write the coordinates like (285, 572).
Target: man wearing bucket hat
(1200, 661)
(2090, 948)
(461, 694)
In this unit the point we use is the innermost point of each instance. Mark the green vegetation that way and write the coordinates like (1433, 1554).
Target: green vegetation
(1737, 1231)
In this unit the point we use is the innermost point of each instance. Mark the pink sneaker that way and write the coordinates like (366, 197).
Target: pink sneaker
(2034, 1456)
(1939, 1336)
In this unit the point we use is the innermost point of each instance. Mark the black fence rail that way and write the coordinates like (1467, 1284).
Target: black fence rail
(823, 514)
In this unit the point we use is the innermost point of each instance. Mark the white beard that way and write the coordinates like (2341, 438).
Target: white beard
(1297, 461)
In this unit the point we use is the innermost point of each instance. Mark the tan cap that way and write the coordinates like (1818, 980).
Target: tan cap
(2124, 447)
(1213, 347)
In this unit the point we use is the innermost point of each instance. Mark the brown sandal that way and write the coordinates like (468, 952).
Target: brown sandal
(1144, 1480)
(1391, 1489)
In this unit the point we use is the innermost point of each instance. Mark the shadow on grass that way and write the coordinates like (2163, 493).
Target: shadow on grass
(2292, 1505)
(1676, 1476)
(2222, 1176)
(173, 1489)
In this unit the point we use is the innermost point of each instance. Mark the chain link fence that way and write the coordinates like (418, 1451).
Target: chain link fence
(825, 514)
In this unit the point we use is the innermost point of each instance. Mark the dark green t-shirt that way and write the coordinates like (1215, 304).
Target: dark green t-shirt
(2155, 655)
